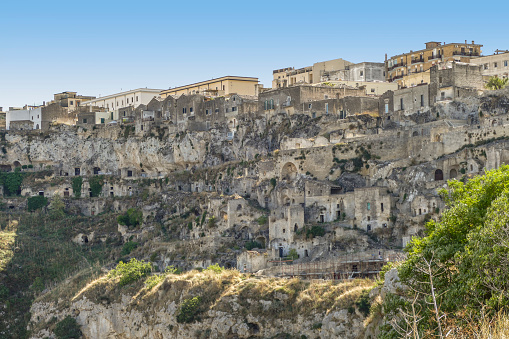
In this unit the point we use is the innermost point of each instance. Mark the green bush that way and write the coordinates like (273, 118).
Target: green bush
(293, 254)
(67, 328)
(36, 202)
(131, 218)
(131, 271)
(262, 220)
(77, 183)
(363, 303)
(12, 181)
(128, 248)
(188, 310)
(96, 185)
(215, 268)
(212, 222)
(315, 231)
(253, 244)
(30, 166)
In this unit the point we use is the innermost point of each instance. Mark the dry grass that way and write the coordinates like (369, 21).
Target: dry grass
(496, 327)
(6, 248)
(255, 295)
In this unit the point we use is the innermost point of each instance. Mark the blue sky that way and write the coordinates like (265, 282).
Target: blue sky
(103, 47)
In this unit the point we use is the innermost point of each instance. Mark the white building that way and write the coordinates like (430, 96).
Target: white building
(24, 117)
(133, 98)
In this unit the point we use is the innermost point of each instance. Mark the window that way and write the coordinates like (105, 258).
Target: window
(102, 120)
(129, 173)
(136, 98)
(368, 206)
(422, 100)
(372, 90)
(217, 110)
(72, 102)
(386, 108)
(184, 110)
(190, 110)
(84, 121)
(234, 109)
(223, 87)
(313, 115)
(124, 113)
(382, 207)
(362, 73)
(309, 106)
(206, 112)
(495, 64)
(505, 63)
(401, 103)
(326, 108)
(486, 66)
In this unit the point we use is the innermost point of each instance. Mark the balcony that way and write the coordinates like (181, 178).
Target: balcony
(433, 57)
(398, 77)
(473, 54)
(416, 61)
(396, 66)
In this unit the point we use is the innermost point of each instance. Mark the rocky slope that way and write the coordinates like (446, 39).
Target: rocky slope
(231, 305)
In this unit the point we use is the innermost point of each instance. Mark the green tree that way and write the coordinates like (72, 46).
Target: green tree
(131, 218)
(464, 255)
(56, 208)
(96, 185)
(67, 328)
(77, 182)
(36, 202)
(497, 83)
(292, 254)
(131, 271)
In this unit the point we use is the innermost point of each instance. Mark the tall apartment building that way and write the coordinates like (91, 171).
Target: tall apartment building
(412, 68)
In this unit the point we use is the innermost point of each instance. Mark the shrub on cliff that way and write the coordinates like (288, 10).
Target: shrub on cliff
(131, 218)
(67, 328)
(36, 202)
(188, 310)
(131, 271)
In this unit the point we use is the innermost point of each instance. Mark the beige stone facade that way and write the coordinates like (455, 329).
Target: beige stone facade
(218, 87)
(399, 67)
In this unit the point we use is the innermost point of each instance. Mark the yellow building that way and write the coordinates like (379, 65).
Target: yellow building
(217, 87)
(406, 69)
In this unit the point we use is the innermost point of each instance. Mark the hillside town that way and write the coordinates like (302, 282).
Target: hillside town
(325, 175)
(336, 159)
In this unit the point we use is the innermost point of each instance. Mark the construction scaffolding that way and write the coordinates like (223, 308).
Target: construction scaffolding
(349, 266)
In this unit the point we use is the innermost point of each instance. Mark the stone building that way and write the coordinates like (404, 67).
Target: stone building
(494, 65)
(218, 87)
(413, 67)
(453, 80)
(299, 99)
(361, 72)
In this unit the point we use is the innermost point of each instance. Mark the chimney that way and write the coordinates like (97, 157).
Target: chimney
(472, 42)
(465, 41)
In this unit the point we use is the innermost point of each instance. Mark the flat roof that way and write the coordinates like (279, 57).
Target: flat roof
(150, 90)
(426, 49)
(225, 78)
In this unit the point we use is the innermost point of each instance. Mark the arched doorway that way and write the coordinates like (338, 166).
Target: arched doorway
(453, 173)
(439, 175)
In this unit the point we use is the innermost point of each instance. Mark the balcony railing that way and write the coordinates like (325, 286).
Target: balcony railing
(398, 77)
(433, 57)
(416, 61)
(465, 53)
(396, 66)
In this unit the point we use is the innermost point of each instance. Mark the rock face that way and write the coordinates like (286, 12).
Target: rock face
(153, 314)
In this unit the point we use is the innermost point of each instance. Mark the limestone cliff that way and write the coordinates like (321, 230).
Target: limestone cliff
(231, 305)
